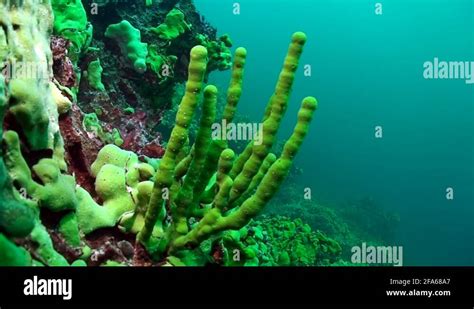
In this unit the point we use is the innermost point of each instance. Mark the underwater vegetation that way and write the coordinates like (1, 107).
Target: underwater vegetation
(280, 241)
(85, 178)
(350, 223)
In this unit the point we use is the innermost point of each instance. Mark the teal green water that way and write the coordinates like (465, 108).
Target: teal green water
(367, 71)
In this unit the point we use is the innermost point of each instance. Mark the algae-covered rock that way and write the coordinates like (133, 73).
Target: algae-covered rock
(278, 240)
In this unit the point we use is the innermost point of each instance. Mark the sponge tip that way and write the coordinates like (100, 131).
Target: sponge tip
(198, 52)
(299, 37)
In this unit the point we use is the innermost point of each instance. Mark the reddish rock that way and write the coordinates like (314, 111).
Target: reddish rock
(141, 257)
(81, 149)
(63, 69)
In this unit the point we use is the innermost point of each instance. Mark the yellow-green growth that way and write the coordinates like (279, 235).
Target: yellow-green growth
(133, 221)
(112, 189)
(279, 100)
(278, 104)
(184, 199)
(214, 220)
(55, 191)
(277, 172)
(91, 123)
(234, 93)
(238, 189)
(179, 135)
(258, 174)
(224, 181)
(240, 162)
(267, 163)
(35, 122)
(63, 103)
(121, 182)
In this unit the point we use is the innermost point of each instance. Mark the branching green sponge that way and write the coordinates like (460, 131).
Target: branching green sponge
(173, 27)
(234, 92)
(185, 182)
(129, 40)
(179, 134)
(94, 75)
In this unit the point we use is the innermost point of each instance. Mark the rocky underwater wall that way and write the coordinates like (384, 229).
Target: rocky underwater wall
(82, 179)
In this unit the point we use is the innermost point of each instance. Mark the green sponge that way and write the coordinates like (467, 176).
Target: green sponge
(129, 40)
(54, 190)
(94, 75)
(173, 27)
(160, 63)
(16, 218)
(3, 102)
(45, 248)
(11, 255)
(121, 183)
(70, 22)
(91, 123)
(31, 112)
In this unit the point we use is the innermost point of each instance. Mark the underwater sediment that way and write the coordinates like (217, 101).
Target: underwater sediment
(86, 177)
